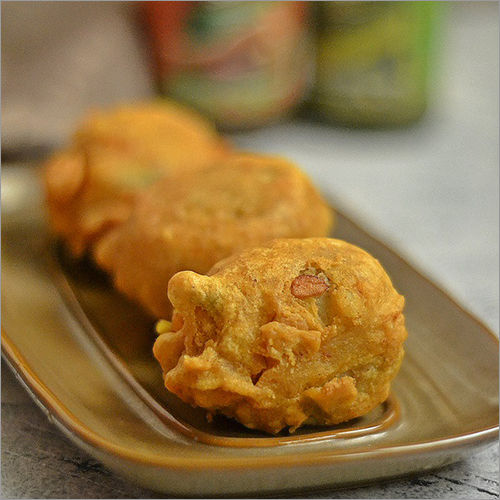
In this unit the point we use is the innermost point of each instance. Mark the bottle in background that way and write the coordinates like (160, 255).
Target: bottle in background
(241, 63)
(373, 61)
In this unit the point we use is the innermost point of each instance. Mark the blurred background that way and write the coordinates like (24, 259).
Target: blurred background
(391, 107)
(244, 64)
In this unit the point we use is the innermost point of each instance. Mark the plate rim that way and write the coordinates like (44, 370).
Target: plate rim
(56, 409)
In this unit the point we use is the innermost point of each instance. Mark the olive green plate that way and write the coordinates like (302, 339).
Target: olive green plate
(84, 353)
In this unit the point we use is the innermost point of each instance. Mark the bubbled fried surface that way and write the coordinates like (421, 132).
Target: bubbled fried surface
(246, 340)
(198, 218)
(92, 186)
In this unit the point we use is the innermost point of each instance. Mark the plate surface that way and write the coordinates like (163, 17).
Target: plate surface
(84, 353)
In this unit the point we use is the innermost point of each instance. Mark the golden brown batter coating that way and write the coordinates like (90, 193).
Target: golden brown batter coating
(197, 218)
(115, 154)
(298, 331)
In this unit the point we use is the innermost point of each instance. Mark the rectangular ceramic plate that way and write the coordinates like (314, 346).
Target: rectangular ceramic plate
(84, 353)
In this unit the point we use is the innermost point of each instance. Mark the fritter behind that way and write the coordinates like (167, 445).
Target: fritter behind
(114, 155)
(193, 220)
(300, 331)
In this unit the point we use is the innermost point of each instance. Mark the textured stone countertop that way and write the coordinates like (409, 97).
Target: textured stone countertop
(430, 191)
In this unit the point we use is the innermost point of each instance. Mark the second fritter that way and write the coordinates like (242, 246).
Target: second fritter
(198, 218)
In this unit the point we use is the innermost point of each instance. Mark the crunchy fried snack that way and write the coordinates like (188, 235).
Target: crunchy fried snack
(300, 331)
(193, 220)
(114, 155)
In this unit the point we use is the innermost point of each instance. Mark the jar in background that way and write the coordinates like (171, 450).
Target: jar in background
(373, 61)
(241, 63)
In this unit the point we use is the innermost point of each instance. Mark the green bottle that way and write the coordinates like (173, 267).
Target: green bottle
(373, 61)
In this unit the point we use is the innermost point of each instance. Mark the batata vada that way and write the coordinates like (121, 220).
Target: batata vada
(299, 331)
(114, 155)
(193, 220)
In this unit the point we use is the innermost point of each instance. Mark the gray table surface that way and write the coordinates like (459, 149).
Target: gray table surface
(430, 191)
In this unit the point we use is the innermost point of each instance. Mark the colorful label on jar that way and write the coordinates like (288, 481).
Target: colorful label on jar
(372, 61)
(240, 62)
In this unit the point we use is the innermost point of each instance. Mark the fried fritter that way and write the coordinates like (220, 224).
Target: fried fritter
(193, 220)
(299, 331)
(114, 155)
